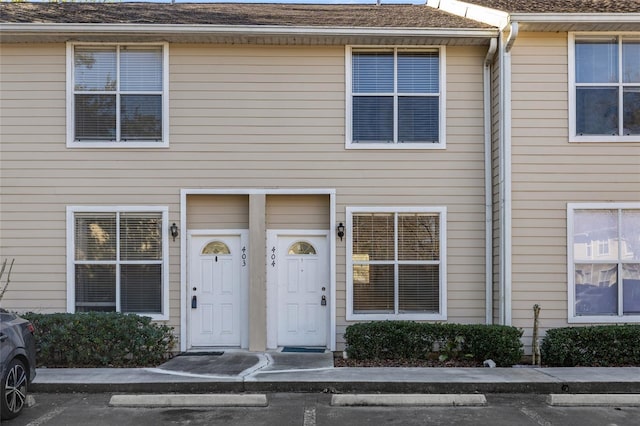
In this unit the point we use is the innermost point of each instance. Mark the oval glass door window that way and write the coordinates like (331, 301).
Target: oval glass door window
(301, 247)
(215, 248)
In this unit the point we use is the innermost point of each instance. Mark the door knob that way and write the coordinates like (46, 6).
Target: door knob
(323, 301)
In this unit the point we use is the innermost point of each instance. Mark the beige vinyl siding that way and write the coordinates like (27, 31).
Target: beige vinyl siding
(218, 212)
(549, 172)
(298, 212)
(32, 219)
(240, 117)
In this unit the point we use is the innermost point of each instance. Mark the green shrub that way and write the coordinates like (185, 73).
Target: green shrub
(395, 340)
(100, 339)
(594, 346)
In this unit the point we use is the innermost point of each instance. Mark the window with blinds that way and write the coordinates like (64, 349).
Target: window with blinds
(395, 97)
(118, 261)
(396, 263)
(118, 93)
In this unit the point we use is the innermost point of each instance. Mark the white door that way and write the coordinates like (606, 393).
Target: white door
(302, 280)
(215, 290)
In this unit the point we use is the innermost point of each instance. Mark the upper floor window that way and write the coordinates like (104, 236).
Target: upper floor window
(605, 288)
(117, 95)
(605, 92)
(395, 98)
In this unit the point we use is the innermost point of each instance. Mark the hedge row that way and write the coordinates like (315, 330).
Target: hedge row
(396, 340)
(100, 339)
(595, 346)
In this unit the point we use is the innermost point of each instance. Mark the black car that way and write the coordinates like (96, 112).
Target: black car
(17, 362)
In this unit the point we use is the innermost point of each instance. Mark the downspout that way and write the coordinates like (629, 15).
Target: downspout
(505, 151)
(488, 187)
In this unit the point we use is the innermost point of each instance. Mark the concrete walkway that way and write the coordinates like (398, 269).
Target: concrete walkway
(243, 371)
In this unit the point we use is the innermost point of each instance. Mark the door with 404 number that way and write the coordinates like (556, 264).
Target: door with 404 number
(302, 288)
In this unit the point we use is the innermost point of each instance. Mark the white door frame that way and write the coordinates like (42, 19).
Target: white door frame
(272, 285)
(184, 194)
(244, 278)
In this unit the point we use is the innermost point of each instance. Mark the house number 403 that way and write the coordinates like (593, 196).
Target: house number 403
(244, 256)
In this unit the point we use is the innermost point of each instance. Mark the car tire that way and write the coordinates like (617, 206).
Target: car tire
(13, 390)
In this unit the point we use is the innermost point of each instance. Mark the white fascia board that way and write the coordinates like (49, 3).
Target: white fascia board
(162, 29)
(574, 18)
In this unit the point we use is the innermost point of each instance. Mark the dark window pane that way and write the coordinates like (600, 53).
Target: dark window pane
(631, 111)
(140, 237)
(418, 237)
(596, 111)
(596, 289)
(597, 61)
(95, 117)
(631, 61)
(418, 72)
(631, 289)
(418, 119)
(141, 117)
(95, 236)
(95, 288)
(372, 72)
(373, 237)
(94, 68)
(418, 289)
(141, 288)
(376, 294)
(373, 119)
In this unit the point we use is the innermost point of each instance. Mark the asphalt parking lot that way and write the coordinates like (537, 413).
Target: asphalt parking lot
(310, 409)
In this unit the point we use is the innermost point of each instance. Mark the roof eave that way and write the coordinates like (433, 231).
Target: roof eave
(255, 29)
(577, 21)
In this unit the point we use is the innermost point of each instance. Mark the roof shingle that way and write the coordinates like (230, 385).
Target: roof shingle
(563, 6)
(240, 14)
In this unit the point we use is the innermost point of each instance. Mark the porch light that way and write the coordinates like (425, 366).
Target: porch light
(341, 230)
(174, 231)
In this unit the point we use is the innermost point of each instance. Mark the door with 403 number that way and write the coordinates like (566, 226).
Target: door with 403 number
(215, 290)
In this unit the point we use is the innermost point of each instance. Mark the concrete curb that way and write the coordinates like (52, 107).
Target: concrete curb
(189, 400)
(581, 400)
(338, 387)
(408, 400)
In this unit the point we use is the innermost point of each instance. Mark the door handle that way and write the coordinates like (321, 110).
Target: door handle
(323, 301)
(194, 302)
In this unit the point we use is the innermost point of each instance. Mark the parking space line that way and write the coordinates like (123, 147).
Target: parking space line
(46, 417)
(309, 417)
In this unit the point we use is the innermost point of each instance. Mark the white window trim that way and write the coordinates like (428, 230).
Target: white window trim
(71, 292)
(442, 314)
(349, 103)
(573, 137)
(571, 317)
(72, 143)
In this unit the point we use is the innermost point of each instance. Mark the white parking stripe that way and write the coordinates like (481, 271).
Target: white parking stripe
(309, 417)
(50, 415)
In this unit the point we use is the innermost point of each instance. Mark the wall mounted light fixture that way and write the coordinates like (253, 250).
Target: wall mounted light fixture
(341, 230)
(174, 231)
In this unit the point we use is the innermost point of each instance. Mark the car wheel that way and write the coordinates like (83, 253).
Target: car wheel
(13, 390)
